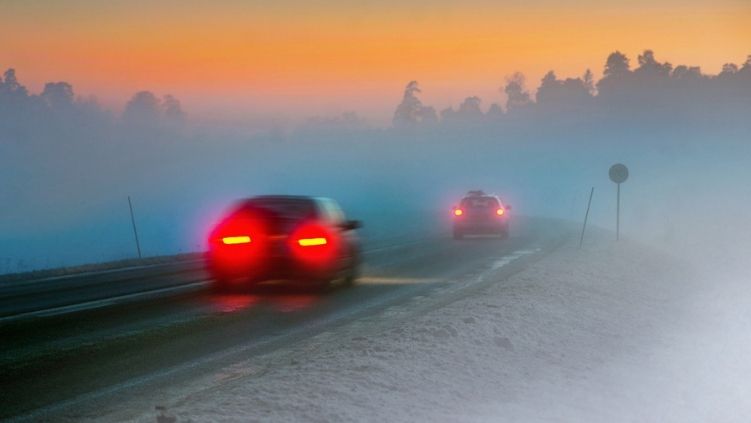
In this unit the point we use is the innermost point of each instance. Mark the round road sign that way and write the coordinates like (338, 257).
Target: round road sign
(618, 173)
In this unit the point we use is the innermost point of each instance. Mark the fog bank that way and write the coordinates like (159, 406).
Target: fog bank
(68, 164)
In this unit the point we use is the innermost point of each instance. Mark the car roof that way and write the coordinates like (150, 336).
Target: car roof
(476, 196)
(476, 193)
(483, 195)
(253, 201)
(288, 197)
(280, 197)
(316, 201)
(320, 207)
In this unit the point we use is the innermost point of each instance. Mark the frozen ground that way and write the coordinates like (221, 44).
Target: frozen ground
(608, 333)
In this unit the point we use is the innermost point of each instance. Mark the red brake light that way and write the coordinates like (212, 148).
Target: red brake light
(500, 211)
(232, 240)
(238, 242)
(238, 233)
(458, 212)
(314, 244)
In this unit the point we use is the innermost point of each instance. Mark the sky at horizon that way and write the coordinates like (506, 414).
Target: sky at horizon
(235, 60)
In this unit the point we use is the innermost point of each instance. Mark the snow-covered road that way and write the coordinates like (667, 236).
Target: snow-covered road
(614, 332)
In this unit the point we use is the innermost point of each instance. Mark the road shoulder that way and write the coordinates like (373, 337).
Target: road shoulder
(592, 334)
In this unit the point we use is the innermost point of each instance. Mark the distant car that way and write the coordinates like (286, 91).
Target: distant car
(293, 238)
(479, 213)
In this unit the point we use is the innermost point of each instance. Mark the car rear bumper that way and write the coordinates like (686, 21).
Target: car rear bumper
(272, 268)
(481, 227)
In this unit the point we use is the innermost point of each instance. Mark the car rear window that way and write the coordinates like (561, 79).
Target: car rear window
(480, 203)
(282, 208)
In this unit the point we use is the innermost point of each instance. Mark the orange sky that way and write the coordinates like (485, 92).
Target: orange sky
(234, 59)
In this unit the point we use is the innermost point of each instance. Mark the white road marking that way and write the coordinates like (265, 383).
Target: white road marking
(511, 257)
(108, 302)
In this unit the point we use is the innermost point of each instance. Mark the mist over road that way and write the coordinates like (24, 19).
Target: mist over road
(74, 360)
(128, 130)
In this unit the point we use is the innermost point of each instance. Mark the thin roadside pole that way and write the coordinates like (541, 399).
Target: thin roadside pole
(618, 215)
(135, 231)
(619, 174)
(586, 216)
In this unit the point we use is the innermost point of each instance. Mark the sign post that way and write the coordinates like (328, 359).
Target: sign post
(618, 173)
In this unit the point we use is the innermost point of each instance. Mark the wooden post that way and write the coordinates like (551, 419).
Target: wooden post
(586, 216)
(135, 231)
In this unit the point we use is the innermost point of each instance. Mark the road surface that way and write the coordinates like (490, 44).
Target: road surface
(67, 349)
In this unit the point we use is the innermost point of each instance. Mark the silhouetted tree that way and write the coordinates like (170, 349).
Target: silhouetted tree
(18, 110)
(58, 95)
(557, 96)
(470, 109)
(746, 68)
(650, 67)
(495, 112)
(728, 70)
(427, 115)
(517, 97)
(173, 112)
(589, 82)
(143, 109)
(614, 88)
(547, 86)
(447, 114)
(687, 72)
(410, 110)
(617, 64)
(10, 84)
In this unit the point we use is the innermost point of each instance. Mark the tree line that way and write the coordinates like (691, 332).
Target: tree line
(652, 88)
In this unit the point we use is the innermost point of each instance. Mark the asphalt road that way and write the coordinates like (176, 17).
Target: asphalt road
(56, 364)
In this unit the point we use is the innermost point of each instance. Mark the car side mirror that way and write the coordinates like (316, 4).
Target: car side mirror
(351, 225)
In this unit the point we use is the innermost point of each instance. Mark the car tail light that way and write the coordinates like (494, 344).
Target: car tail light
(458, 212)
(237, 230)
(314, 243)
(232, 240)
(238, 241)
(500, 211)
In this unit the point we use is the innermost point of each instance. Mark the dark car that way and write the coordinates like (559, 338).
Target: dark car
(293, 238)
(480, 214)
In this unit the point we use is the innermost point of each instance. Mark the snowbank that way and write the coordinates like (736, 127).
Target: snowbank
(613, 332)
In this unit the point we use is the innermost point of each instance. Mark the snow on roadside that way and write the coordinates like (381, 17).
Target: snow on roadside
(611, 333)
